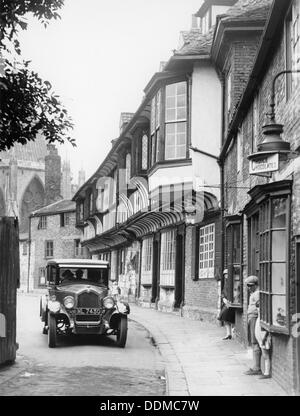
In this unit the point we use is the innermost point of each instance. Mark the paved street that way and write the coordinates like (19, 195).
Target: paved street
(80, 365)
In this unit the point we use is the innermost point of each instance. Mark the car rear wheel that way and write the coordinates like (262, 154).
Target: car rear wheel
(122, 332)
(51, 331)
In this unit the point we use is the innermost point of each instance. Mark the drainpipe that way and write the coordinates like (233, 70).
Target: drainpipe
(222, 183)
(29, 255)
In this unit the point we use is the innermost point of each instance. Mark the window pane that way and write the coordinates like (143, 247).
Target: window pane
(170, 102)
(279, 212)
(170, 152)
(170, 115)
(181, 113)
(279, 278)
(171, 90)
(279, 245)
(181, 152)
(278, 311)
(181, 88)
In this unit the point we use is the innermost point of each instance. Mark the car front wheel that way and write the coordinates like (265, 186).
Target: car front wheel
(122, 332)
(51, 331)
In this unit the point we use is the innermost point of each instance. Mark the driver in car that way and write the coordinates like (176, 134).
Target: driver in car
(67, 275)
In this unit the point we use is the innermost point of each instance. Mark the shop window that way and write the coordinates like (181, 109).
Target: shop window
(147, 254)
(49, 248)
(274, 261)
(234, 260)
(207, 251)
(167, 261)
(147, 260)
(268, 256)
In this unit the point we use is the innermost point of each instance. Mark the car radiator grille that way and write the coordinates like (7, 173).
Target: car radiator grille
(87, 318)
(88, 300)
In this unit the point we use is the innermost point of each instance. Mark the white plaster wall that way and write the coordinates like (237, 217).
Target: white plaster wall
(172, 175)
(206, 125)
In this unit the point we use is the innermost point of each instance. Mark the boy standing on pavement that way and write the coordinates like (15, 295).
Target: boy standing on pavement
(252, 316)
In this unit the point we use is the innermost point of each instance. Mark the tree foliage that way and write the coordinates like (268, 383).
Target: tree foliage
(27, 103)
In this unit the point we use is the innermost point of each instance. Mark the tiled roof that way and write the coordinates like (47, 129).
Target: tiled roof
(31, 152)
(196, 43)
(64, 205)
(248, 10)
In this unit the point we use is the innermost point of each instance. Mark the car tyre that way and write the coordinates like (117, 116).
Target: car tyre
(51, 331)
(122, 332)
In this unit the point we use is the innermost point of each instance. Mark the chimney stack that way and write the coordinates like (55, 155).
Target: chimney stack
(124, 120)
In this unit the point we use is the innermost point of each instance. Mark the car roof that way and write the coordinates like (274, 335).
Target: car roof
(78, 262)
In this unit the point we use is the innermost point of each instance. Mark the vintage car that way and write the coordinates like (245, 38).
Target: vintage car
(79, 301)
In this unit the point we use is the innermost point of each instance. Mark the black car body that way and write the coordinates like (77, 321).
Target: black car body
(78, 301)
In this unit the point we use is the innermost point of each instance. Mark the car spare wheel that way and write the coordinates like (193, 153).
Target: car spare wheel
(51, 331)
(122, 332)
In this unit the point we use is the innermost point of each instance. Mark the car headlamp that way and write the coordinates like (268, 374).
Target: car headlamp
(69, 302)
(108, 303)
(53, 306)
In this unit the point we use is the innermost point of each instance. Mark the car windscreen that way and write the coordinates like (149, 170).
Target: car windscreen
(88, 275)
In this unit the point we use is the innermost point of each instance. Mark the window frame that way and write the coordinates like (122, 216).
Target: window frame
(168, 258)
(42, 225)
(266, 289)
(206, 272)
(231, 223)
(47, 249)
(292, 48)
(261, 194)
(157, 134)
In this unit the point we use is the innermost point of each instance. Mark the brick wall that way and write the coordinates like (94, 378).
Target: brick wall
(201, 296)
(63, 242)
(287, 113)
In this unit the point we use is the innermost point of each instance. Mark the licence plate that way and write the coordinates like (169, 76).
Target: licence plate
(88, 311)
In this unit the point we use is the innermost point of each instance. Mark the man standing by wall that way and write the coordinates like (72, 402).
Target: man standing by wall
(252, 316)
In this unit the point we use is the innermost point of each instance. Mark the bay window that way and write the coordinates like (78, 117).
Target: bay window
(176, 121)
(273, 261)
(168, 126)
(268, 242)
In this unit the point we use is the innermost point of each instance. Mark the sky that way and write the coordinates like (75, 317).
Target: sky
(99, 57)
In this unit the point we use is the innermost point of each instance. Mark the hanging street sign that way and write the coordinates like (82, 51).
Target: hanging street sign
(265, 164)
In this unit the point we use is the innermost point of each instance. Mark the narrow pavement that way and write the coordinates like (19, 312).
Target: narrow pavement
(198, 362)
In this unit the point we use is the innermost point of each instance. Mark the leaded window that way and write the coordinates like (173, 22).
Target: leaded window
(144, 152)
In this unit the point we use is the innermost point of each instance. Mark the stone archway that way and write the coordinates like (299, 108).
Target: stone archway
(2, 204)
(33, 199)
